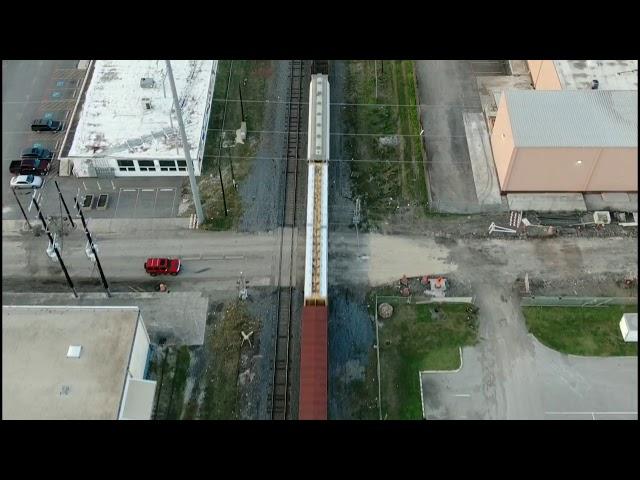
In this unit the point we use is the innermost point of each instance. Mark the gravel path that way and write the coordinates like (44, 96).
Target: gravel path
(261, 190)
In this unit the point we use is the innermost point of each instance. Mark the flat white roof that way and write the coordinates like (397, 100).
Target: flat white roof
(39, 381)
(611, 74)
(115, 120)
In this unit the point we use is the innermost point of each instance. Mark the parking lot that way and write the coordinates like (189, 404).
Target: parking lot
(509, 374)
(50, 89)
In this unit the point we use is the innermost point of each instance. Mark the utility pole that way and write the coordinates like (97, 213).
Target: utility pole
(55, 249)
(73, 225)
(241, 106)
(21, 209)
(185, 147)
(375, 62)
(93, 248)
(224, 200)
(356, 219)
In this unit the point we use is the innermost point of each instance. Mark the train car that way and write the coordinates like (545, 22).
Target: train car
(313, 403)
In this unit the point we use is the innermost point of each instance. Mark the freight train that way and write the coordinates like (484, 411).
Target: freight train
(314, 337)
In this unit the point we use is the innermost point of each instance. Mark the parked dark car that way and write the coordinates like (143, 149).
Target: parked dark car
(30, 166)
(46, 125)
(37, 153)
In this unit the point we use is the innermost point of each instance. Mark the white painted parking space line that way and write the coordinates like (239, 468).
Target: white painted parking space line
(148, 189)
(99, 187)
(136, 205)
(84, 185)
(167, 189)
(466, 395)
(173, 205)
(113, 185)
(155, 201)
(66, 115)
(128, 189)
(233, 257)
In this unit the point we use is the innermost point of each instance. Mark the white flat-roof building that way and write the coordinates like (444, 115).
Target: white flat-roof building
(581, 74)
(127, 125)
(75, 363)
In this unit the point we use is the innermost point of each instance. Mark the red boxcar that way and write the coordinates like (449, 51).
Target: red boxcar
(314, 364)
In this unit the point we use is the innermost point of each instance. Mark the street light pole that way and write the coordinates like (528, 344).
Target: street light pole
(93, 248)
(185, 146)
(21, 209)
(65, 204)
(55, 249)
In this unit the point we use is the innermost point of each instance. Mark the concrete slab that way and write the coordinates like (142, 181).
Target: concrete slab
(613, 201)
(547, 202)
(491, 88)
(180, 317)
(108, 225)
(484, 171)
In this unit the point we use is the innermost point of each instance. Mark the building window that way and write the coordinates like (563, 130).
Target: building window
(147, 165)
(126, 166)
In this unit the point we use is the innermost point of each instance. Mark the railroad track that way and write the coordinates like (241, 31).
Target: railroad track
(280, 392)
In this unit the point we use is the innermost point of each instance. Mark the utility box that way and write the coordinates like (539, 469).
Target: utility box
(629, 327)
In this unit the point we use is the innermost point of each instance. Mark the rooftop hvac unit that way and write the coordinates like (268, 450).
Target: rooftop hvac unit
(74, 351)
(146, 82)
(146, 104)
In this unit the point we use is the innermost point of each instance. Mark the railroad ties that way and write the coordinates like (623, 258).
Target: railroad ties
(279, 397)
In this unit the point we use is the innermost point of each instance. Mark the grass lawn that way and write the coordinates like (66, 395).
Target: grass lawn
(417, 338)
(230, 75)
(593, 331)
(399, 180)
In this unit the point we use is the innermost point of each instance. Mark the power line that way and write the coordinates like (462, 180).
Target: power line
(346, 160)
(347, 134)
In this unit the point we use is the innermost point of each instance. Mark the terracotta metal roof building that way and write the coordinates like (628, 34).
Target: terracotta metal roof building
(567, 141)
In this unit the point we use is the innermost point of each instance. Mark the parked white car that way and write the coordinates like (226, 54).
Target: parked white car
(26, 181)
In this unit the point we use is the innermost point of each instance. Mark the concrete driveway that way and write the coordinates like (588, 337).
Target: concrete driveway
(446, 90)
(510, 375)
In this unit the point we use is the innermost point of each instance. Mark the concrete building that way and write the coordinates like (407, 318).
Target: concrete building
(127, 126)
(567, 141)
(75, 363)
(580, 74)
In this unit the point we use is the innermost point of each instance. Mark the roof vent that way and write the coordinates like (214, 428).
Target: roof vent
(74, 351)
(146, 82)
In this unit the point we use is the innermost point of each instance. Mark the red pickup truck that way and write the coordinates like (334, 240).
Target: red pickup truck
(30, 166)
(162, 266)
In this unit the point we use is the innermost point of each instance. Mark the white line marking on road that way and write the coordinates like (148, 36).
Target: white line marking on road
(99, 187)
(115, 214)
(591, 413)
(66, 115)
(113, 185)
(155, 201)
(85, 187)
(462, 395)
(173, 204)
(136, 205)
(167, 189)
(128, 190)
(233, 257)
(57, 144)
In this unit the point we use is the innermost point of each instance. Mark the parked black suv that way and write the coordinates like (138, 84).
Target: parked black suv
(36, 153)
(46, 125)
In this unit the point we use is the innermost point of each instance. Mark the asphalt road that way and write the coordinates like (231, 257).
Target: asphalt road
(212, 258)
(24, 86)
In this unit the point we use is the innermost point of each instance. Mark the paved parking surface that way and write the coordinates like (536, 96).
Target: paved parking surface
(447, 89)
(510, 375)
